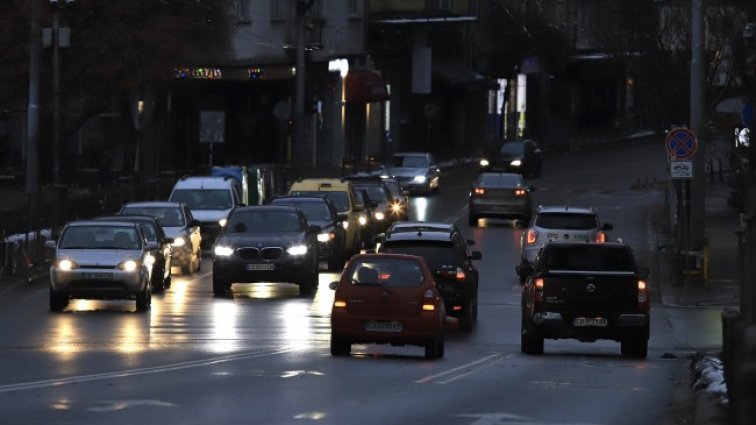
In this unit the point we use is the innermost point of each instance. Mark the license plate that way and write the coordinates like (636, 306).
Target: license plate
(101, 276)
(376, 326)
(258, 267)
(590, 321)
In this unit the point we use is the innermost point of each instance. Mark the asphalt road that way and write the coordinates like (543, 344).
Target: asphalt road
(262, 357)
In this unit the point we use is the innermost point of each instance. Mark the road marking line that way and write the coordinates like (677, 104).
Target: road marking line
(137, 372)
(460, 372)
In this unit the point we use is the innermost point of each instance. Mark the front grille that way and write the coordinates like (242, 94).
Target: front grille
(248, 253)
(271, 253)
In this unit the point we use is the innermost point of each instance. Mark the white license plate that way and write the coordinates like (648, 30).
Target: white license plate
(376, 326)
(590, 321)
(100, 276)
(257, 267)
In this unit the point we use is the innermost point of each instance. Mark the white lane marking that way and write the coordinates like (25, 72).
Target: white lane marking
(503, 418)
(114, 406)
(137, 372)
(460, 372)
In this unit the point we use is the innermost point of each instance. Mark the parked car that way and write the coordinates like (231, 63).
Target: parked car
(158, 245)
(178, 223)
(447, 253)
(500, 195)
(266, 243)
(387, 299)
(516, 156)
(561, 223)
(101, 260)
(210, 199)
(416, 172)
(320, 211)
(586, 291)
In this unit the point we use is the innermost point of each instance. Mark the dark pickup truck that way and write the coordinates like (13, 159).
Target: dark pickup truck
(585, 291)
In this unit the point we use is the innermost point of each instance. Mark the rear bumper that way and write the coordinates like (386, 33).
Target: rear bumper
(558, 325)
(489, 208)
(415, 331)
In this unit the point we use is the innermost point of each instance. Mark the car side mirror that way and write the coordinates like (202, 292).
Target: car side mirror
(333, 285)
(168, 240)
(51, 244)
(643, 272)
(607, 226)
(194, 223)
(524, 270)
(476, 255)
(379, 237)
(151, 244)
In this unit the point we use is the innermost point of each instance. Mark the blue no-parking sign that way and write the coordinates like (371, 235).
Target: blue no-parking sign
(681, 143)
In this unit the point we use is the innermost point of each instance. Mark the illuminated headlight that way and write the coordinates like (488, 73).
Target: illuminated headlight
(345, 224)
(484, 163)
(66, 265)
(223, 251)
(396, 207)
(297, 250)
(222, 222)
(384, 176)
(419, 179)
(362, 220)
(379, 216)
(128, 266)
(325, 237)
(179, 242)
(149, 259)
(516, 163)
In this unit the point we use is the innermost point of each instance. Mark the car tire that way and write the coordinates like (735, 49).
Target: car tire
(635, 348)
(434, 348)
(467, 317)
(220, 286)
(340, 346)
(58, 300)
(531, 338)
(144, 299)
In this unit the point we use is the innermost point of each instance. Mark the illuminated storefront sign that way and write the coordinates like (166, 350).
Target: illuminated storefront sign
(199, 73)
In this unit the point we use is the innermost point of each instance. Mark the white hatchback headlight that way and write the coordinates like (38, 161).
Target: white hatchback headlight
(419, 179)
(128, 266)
(223, 251)
(66, 265)
(179, 242)
(516, 163)
(297, 250)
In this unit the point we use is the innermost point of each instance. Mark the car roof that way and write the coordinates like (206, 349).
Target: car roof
(374, 255)
(267, 207)
(155, 204)
(127, 217)
(565, 209)
(420, 235)
(204, 182)
(422, 226)
(319, 184)
(323, 197)
(95, 222)
(412, 153)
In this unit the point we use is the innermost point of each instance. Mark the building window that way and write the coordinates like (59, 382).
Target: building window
(243, 15)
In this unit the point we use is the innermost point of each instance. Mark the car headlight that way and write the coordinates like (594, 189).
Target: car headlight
(384, 176)
(128, 265)
(66, 265)
(419, 179)
(516, 163)
(379, 216)
(222, 222)
(149, 259)
(297, 250)
(325, 237)
(223, 251)
(362, 220)
(396, 207)
(179, 242)
(484, 163)
(345, 224)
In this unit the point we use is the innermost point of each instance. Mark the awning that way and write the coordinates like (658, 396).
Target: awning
(458, 75)
(365, 86)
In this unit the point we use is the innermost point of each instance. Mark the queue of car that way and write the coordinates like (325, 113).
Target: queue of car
(417, 274)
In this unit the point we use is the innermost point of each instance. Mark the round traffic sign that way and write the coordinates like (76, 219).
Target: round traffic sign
(681, 143)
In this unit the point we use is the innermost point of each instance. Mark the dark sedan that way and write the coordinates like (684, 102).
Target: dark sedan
(266, 243)
(514, 156)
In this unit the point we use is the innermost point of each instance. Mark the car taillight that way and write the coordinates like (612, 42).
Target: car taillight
(531, 236)
(339, 304)
(479, 191)
(539, 289)
(642, 293)
(519, 192)
(600, 237)
(429, 307)
(460, 275)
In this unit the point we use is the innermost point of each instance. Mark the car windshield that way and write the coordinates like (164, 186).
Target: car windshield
(263, 222)
(500, 180)
(312, 210)
(436, 253)
(166, 216)
(512, 148)
(409, 161)
(394, 187)
(100, 237)
(203, 199)
(375, 192)
(570, 221)
(589, 257)
(389, 272)
(339, 198)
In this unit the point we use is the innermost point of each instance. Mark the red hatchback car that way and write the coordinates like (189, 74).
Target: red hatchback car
(387, 299)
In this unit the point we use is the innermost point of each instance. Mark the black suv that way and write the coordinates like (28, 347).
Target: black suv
(266, 243)
(321, 211)
(447, 253)
(515, 156)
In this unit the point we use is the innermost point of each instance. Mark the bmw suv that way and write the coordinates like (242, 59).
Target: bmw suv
(448, 255)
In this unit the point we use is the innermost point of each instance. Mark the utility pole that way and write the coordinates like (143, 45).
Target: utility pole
(298, 146)
(697, 97)
(32, 122)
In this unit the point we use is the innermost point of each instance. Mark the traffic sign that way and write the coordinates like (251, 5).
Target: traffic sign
(681, 143)
(681, 169)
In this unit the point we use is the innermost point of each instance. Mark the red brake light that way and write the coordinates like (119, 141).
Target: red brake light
(479, 191)
(384, 276)
(539, 289)
(460, 274)
(601, 237)
(531, 236)
(539, 283)
(642, 292)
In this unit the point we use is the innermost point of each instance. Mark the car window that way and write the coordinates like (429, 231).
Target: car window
(436, 253)
(570, 221)
(588, 257)
(386, 272)
(496, 180)
(100, 237)
(263, 222)
(166, 216)
(375, 192)
(409, 161)
(394, 187)
(339, 198)
(311, 209)
(512, 148)
(203, 199)
(149, 231)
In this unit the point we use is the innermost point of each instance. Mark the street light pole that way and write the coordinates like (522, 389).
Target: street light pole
(32, 123)
(298, 145)
(697, 97)
(56, 94)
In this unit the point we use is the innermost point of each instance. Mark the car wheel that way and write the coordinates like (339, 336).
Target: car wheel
(531, 339)
(144, 299)
(472, 220)
(340, 346)
(220, 286)
(466, 319)
(58, 300)
(167, 282)
(434, 349)
(158, 284)
(635, 348)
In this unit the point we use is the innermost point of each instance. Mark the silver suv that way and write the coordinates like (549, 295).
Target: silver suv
(560, 223)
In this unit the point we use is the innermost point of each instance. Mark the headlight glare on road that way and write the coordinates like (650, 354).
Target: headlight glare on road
(297, 250)
(223, 251)
(128, 265)
(179, 242)
(419, 179)
(66, 265)
(516, 163)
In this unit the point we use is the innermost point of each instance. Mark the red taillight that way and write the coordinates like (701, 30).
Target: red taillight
(460, 276)
(520, 192)
(642, 293)
(538, 289)
(384, 276)
(600, 237)
(531, 236)
(479, 191)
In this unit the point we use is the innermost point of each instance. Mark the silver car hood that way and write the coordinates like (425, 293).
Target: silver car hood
(206, 216)
(99, 257)
(406, 172)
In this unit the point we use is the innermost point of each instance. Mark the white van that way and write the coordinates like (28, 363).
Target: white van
(210, 200)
